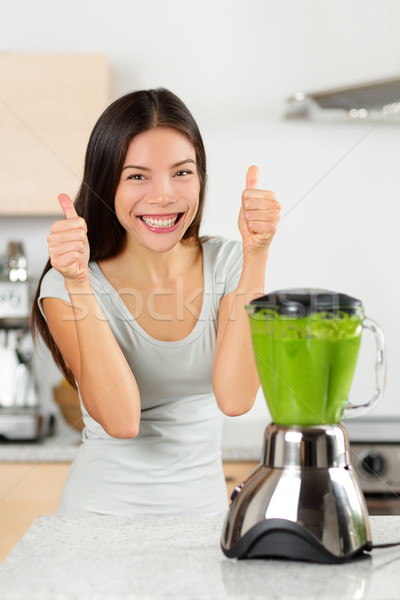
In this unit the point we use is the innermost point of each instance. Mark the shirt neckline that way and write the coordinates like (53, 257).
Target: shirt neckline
(131, 321)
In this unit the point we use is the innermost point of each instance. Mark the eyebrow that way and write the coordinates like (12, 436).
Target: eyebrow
(178, 164)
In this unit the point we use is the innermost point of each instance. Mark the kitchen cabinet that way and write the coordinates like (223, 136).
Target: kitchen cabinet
(27, 490)
(49, 105)
(236, 472)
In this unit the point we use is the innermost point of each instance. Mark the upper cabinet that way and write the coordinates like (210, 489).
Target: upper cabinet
(48, 107)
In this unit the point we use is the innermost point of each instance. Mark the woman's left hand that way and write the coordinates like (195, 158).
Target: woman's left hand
(258, 217)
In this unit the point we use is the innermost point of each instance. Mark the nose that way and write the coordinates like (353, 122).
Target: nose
(161, 194)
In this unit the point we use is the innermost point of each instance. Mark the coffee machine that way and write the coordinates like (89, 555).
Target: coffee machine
(304, 501)
(22, 418)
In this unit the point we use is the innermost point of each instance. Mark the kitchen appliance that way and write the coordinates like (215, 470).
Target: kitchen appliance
(368, 101)
(21, 416)
(304, 500)
(375, 456)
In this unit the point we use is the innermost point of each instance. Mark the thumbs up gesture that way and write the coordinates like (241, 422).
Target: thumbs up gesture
(259, 215)
(68, 244)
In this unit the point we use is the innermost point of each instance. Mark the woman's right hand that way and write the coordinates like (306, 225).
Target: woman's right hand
(68, 244)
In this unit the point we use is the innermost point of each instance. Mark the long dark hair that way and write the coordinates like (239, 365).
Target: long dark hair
(124, 119)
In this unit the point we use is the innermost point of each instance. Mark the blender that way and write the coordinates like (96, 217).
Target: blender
(304, 501)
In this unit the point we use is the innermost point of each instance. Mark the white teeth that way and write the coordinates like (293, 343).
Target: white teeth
(161, 223)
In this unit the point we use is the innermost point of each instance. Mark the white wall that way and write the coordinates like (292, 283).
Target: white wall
(221, 56)
(234, 63)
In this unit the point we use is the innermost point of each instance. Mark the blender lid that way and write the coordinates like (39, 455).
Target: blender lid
(299, 302)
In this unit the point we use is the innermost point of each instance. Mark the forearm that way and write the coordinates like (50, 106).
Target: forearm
(107, 385)
(235, 375)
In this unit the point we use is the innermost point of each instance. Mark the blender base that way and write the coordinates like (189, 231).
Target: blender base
(279, 538)
(303, 502)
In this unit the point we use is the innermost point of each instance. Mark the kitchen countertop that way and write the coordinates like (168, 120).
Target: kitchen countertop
(60, 447)
(241, 441)
(118, 558)
(63, 446)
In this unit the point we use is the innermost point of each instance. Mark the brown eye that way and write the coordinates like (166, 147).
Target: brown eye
(136, 177)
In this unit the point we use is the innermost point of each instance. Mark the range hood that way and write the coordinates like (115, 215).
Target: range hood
(373, 101)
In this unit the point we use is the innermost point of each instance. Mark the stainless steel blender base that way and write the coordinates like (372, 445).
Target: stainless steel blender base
(303, 502)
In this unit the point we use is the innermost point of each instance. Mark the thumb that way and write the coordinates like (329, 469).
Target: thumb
(252, 177)
(67, 206)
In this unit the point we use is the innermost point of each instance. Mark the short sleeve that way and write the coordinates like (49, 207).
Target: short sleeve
(52, 286)
(233, 262)
(227, 260)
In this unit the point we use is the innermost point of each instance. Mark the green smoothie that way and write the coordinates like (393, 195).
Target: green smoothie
(306, 365)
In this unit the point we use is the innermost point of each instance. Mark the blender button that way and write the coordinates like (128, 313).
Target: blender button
(236, 491)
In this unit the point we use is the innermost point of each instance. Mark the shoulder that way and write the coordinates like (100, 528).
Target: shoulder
(53, 286)
(53, 278)
(223, 247)
(225, 258)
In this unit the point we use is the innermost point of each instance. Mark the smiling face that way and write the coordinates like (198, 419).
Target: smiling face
(158, 193)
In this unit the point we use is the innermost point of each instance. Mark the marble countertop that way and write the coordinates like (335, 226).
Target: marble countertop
(63, 446)
(241, 440)
(60, 447)
(119, 558)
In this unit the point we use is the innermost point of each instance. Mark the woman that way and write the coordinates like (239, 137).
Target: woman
(146, 318)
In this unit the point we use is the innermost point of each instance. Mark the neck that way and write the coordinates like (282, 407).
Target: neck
(156, 267)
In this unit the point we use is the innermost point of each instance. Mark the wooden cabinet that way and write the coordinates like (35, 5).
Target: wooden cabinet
(49, 105)
(27, 490)
(236, 472)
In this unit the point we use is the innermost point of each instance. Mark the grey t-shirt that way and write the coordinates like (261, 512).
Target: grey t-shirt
(173, 466)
